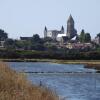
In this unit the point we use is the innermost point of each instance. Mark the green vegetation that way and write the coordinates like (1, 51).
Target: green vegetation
(3, 35)
(85, 37)
(82, 36)
(14, 86)
(46, 48)
(64, 54)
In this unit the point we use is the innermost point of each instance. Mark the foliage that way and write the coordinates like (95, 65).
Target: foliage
(9, 43)
(3, 35)
(98, 35)
(51, 54)
(36, 38)
(82, 36)
(87, 38)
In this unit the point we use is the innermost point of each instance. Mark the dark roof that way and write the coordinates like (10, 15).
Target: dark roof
(55, 31)
(25, 38)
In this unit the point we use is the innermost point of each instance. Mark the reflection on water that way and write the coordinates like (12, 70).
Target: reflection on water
(77, 85)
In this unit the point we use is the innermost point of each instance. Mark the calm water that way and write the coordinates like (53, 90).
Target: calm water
(71, 82)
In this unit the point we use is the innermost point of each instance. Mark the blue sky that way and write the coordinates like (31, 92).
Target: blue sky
(28, 17)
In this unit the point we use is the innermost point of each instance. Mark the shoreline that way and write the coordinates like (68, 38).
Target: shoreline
(93, 62)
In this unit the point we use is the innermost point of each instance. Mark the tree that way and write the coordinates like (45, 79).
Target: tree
(3, 35)
(37, 46)
(87, 37)
(51, 47)
(9, 43)
(47, 39)
(82, 36)
(36, 38)
(23, 44)
(98, 35)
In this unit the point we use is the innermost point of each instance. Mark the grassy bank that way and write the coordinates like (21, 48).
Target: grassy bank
(85, 62)
(14, 86)
(95, 62)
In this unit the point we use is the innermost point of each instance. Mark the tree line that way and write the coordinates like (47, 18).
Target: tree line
(65, 55)
(37, 47)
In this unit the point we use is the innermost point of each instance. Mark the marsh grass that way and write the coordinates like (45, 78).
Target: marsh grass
(14, 86)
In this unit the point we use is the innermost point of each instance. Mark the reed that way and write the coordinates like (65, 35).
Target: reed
(14, 86)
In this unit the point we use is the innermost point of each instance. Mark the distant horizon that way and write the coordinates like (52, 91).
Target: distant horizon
(25, 18)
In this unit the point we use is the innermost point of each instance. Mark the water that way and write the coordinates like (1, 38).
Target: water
(71, 82)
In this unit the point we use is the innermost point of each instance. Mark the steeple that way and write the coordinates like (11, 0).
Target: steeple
(45, 32)
(45, 28)
(62, 30)
(70, 19)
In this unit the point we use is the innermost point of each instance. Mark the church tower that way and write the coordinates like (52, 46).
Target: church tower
(45, 32)
(71, 32)
(62, 30)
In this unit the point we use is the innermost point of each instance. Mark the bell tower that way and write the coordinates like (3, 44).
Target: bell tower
(71, 32)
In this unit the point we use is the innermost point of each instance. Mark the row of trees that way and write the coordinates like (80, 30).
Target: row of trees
(35, 43)
(68, 55)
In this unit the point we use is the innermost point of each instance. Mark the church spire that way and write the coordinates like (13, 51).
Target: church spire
(62, 30)
(45, 32)
(45, 28)
(70, 19)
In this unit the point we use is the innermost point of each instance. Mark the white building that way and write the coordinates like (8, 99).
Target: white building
(53, 33)
(59, 36)
(2, 44)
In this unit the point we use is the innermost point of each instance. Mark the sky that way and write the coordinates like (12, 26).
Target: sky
(28, 17)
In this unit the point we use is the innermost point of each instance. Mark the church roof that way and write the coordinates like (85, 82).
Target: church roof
(70, 19)
(54, 31)
(74, 38)
(61, 35)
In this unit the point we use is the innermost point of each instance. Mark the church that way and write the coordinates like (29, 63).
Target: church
(60, 35)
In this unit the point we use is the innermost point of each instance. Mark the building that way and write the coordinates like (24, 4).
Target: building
(79, 45)
(71, 31)
(97, 40)
(25, 38)
(53, 33)
(3, 38)
(59, 35)
(2, 44)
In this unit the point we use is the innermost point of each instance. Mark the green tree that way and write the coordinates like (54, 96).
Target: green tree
(3, 35)
(51, 47)
(37, 43)
(87, 37)
(47, 39)
(9, 44)
(98, 35)
(22, 44)
(36, 38)
(82, 36)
